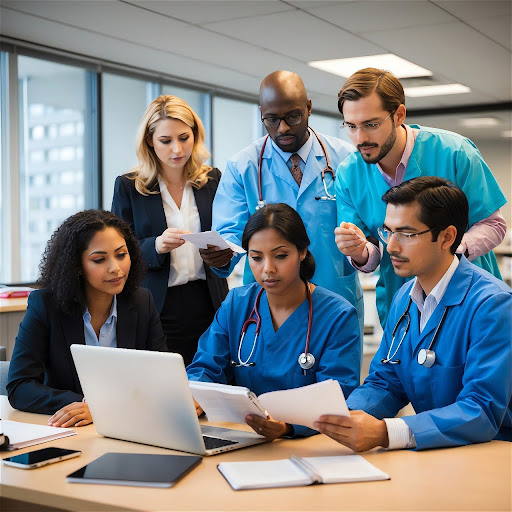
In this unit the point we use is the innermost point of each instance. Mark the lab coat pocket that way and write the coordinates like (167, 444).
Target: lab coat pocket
(445, 383)
(299, 379)
(326, 213)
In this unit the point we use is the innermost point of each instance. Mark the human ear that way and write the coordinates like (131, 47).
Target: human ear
(149, 140)
(309, 107)
(400, 115)
(447, 237)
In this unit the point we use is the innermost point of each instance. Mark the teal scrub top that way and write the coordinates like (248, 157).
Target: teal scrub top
(360, 187)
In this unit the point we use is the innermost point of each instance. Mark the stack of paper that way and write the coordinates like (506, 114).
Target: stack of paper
(22, 435)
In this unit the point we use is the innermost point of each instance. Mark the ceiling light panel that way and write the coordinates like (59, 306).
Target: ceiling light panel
(401, 68)
(436, 90)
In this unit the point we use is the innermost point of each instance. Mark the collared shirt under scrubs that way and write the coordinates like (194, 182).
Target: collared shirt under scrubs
(466, 396)
(360, 187)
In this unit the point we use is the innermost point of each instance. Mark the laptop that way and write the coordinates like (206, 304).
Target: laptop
(144, 397)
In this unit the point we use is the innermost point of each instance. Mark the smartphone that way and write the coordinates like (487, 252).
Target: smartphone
(38, 458)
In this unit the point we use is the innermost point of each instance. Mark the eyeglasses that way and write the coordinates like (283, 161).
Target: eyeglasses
(367, 127)
(401, 237)
(291, 120)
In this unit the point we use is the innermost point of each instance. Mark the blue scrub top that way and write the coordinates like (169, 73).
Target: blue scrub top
(237, 197)
(360, 187)
(465, 397)
(335, 344)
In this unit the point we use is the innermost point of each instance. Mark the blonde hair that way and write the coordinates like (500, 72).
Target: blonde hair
(168, 107)
(365, 81)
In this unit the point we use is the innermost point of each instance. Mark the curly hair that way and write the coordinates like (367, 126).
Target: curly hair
(61, 265)
(168, 107)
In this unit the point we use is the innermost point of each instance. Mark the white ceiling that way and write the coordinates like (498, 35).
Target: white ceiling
(234, 44)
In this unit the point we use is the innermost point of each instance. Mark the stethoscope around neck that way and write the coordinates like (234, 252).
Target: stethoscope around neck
(426, 356)
(306, 360)
(327, 169)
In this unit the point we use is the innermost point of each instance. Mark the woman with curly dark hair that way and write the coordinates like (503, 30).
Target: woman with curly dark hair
(90, 273)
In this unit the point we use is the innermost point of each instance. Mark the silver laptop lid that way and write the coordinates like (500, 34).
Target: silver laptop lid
(138, 395)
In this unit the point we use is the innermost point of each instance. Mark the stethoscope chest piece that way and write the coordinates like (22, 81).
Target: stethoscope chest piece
(260, 204)
(306, 361)
(426, 357)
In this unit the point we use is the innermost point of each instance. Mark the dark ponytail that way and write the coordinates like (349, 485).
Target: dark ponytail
(288, 223)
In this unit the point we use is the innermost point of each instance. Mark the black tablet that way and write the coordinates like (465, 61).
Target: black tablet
(139, 469)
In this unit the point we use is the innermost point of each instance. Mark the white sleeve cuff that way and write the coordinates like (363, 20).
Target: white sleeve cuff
(399, 434)
(156, 248)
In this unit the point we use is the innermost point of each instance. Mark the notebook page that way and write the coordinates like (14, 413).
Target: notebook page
(345, 468)
(22, 435)
(265, 473)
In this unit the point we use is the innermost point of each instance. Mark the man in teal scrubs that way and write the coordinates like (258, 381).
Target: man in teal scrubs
(372, 103)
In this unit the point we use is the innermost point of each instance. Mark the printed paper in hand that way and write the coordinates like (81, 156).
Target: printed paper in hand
(205, 238)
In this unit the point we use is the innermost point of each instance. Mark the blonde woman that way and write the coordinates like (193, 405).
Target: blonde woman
(168, 194)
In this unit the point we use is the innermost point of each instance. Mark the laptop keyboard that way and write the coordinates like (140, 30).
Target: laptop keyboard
(211, 443)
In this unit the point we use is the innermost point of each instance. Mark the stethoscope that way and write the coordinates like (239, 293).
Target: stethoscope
(306, 360)
(327, 169)
(426, 356)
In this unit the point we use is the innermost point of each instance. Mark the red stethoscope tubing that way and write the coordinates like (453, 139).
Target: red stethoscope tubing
(257, 320)
(327, 168)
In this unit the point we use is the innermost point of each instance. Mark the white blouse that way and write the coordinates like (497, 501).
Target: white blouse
(186, 262)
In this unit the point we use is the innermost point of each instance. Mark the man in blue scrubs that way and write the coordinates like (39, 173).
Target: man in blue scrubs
(446, 347)
(292, 160)
(372, 103)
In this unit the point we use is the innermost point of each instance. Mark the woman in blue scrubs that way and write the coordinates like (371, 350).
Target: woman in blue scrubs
(277, 249)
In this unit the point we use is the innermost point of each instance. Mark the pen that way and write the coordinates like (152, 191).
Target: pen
(307, 468)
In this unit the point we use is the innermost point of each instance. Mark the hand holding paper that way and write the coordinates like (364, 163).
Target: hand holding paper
(206, 238)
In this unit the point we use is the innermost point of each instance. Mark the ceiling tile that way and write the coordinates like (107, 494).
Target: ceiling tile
(474, 10)
(455, 52)
(200, 12)
(275, 32)
(358, 17)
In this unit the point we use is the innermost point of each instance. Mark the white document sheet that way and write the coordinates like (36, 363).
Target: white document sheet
(221, 402)
(303, 406)
(22, 435)
(205, 238)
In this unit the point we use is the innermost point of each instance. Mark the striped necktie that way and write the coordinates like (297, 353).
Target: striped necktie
(295, 170)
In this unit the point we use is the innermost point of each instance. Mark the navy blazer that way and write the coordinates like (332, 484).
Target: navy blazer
(145, 215)
(42, 374)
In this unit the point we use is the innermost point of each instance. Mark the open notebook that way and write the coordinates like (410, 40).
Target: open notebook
(298, 471)
(21, 435)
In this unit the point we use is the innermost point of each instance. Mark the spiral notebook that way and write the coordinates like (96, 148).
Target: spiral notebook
(299, 471)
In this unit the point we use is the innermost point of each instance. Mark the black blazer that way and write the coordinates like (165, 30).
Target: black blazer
(145, 215)
(42, 374)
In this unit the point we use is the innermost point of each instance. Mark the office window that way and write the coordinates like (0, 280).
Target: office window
(328, 126)
(4, 214)
(236, 124)
(52, 101)
(124, 101)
